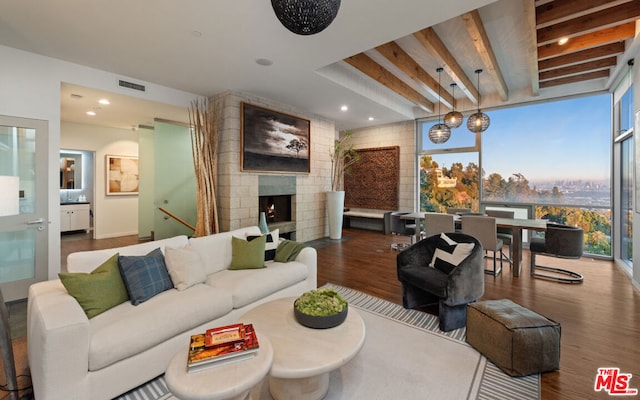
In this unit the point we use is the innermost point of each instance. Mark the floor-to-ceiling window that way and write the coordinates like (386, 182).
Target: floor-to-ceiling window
(552, 159)
(626, 201)
(449, 173)
(624, 139)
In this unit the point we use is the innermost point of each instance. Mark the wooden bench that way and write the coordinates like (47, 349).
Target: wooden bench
(377, 220)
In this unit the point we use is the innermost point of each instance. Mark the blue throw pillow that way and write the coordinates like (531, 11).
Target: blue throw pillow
(144, 276)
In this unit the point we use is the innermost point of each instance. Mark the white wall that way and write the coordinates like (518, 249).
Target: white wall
(636, 134)
(31, 89)
(112, 215)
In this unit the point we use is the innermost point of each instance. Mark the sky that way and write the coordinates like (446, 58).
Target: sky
(562, 140)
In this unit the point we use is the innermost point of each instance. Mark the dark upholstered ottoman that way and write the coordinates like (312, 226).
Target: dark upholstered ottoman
(519, 341)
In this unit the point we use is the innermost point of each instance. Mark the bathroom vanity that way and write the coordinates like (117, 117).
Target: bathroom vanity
(74, 216)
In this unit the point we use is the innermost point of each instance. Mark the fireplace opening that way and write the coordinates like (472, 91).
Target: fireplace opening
(277, 208)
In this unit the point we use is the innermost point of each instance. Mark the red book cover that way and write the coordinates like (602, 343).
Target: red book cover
(200, 354)
(224, 335)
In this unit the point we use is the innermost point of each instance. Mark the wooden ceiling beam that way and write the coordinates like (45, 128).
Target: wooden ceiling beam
(403, 61)
(623, 13)
(575, 78)
(531, 48)
(432, 42)
(366, 65)
(562, 10)
(581, 56)
(604, 63)
(608, 35)
(480, 39)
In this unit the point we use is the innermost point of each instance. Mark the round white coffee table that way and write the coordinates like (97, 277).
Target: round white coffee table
(233, 380)
(304, 357)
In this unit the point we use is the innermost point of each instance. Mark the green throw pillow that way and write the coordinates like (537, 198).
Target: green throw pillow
(247, 255)
(99, 290)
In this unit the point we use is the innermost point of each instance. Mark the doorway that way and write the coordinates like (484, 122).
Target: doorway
(24, 216)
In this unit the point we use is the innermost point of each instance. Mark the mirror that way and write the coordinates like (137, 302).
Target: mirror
(70, 170)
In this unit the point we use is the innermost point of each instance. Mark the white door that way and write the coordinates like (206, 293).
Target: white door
(24, 218)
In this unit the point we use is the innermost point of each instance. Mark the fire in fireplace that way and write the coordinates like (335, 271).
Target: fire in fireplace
(277, 208)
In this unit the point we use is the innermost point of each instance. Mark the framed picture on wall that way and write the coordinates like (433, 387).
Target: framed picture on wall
(123, 176)
(274, 142)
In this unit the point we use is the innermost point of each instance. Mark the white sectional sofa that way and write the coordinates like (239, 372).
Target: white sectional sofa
(74, 357)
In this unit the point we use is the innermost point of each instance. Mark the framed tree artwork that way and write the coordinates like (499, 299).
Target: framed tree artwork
(273, 141)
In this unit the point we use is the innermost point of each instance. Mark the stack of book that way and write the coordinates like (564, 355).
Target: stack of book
(221, 345)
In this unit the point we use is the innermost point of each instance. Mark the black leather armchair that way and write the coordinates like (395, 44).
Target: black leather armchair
(423, 285)
(562, 241)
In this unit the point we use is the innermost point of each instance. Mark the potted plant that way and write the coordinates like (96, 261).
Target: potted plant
(343, 155)
(320, 308)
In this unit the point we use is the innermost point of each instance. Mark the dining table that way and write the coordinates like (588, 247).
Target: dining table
(517, 225)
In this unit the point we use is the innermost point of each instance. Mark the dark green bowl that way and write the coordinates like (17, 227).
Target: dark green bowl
(324, 322)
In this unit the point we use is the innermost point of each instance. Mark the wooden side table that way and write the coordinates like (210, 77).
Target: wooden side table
(231, 381)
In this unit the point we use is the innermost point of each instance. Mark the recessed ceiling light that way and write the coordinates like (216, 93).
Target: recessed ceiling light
(344, 108)
(104, 102)
(265, 62)
(92, 113)
(563, 40)
(370, 118)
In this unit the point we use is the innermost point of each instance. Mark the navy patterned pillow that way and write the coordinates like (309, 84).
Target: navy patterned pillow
(144, 276)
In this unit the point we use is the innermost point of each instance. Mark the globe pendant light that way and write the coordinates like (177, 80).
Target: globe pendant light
(453, 118)
(479, 121)
(306, 17)
(439, 133)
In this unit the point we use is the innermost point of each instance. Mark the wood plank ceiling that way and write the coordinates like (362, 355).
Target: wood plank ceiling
(596, 33)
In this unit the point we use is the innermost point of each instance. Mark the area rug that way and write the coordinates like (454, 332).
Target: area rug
(405, 356)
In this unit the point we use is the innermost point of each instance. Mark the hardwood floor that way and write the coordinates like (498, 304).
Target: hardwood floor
(600, 318)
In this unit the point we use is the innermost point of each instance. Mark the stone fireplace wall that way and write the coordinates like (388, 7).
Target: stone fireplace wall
(238, 191)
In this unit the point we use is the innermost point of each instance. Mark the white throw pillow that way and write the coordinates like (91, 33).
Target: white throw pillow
(185, 267)
(273, 240)
(449, 253)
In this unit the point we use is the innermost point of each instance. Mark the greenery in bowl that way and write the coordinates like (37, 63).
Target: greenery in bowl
(320, 303)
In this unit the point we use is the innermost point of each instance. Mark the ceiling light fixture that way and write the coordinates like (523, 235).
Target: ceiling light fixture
(104, 102)
(265, 62)
(306, 17)
(91, 113)
(563, 41)
(371, 118)
(344, 108)
(479, 121)
(453, 118)
(439, 133)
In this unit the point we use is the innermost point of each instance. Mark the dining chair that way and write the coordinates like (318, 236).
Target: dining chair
(485, 230)
(436, 223)
(506, 234)
(562, 241)
(401, 227)
(456, 210)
